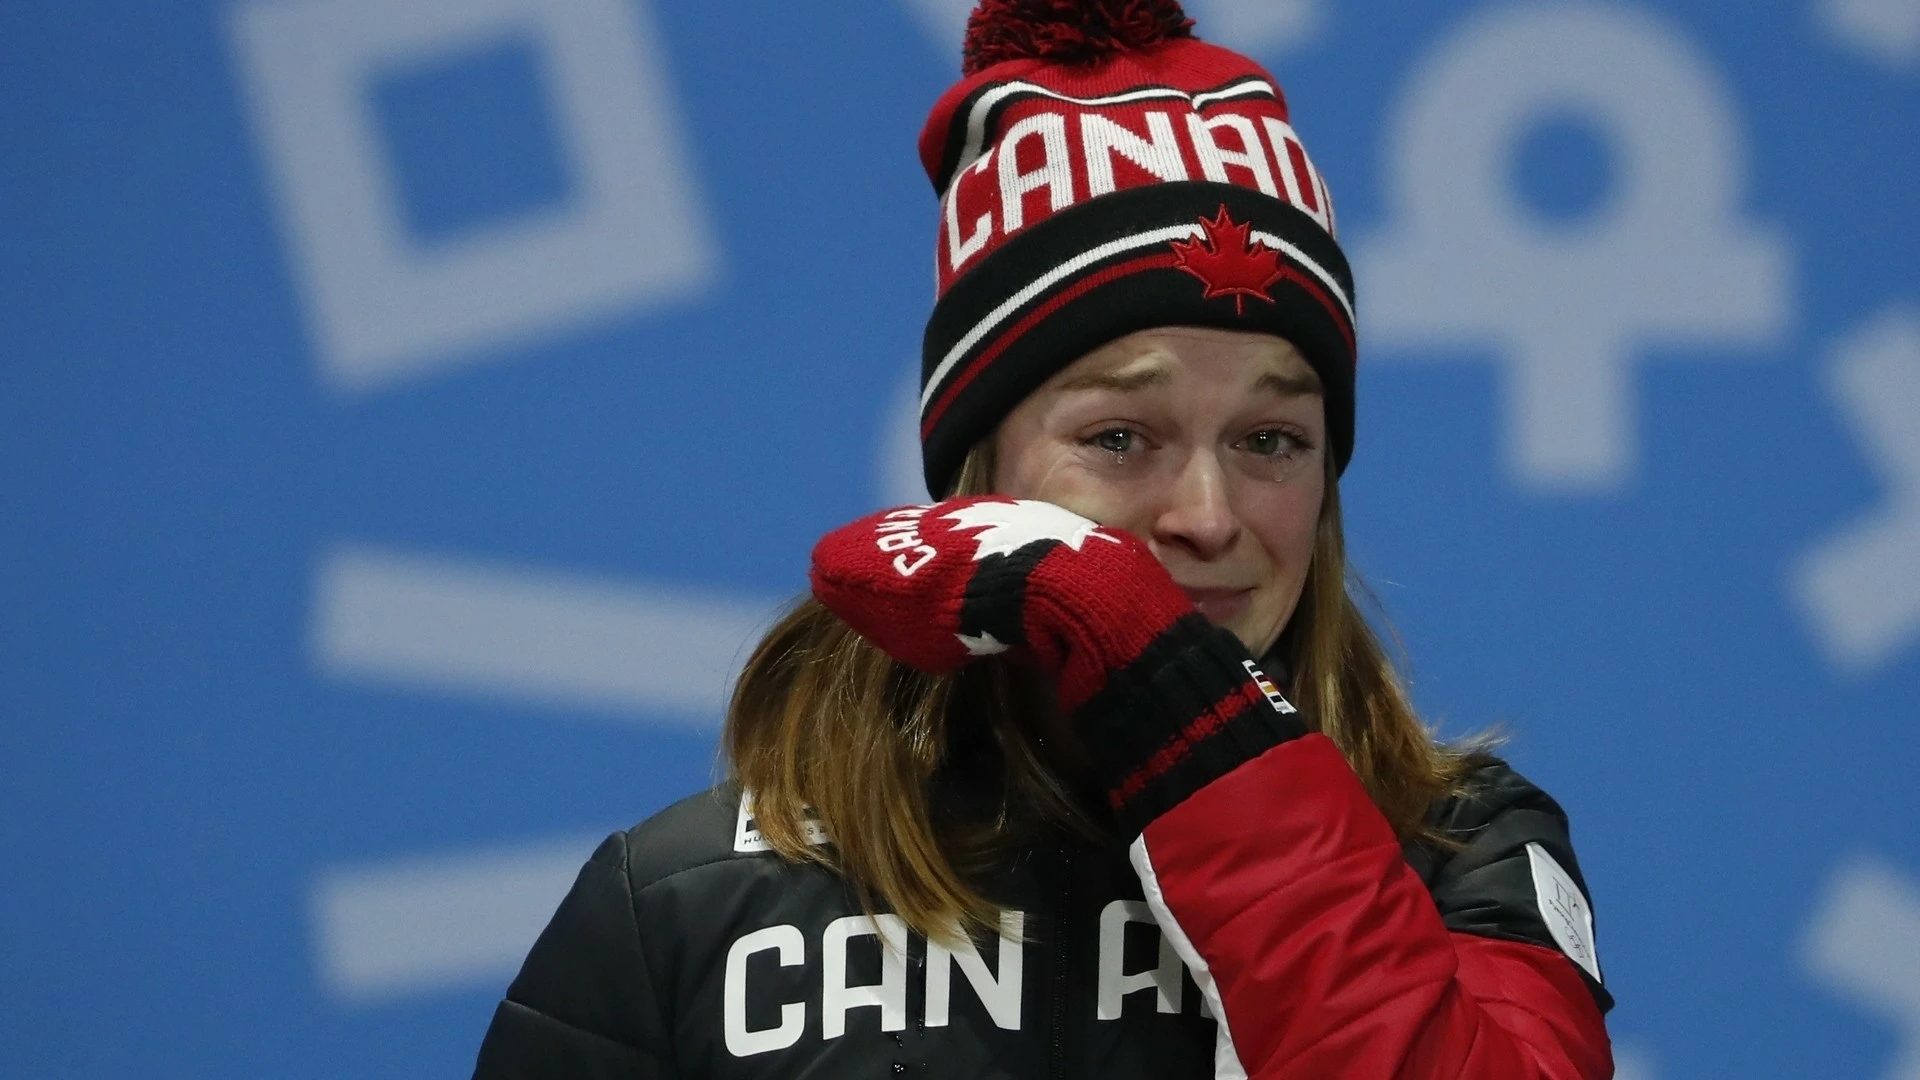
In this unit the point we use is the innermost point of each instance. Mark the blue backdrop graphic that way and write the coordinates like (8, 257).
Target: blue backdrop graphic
(409, 410)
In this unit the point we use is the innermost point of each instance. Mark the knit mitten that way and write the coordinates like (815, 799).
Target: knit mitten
(1164, 700)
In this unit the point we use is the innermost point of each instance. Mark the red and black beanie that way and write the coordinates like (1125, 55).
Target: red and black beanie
(1102, 171)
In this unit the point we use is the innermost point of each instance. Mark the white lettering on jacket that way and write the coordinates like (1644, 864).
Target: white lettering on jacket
(998, 986)
(889, 994)
(999, 993)
(1114, 983)
(787, 942)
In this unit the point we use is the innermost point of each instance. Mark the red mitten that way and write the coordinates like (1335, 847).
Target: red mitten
(1165, 700)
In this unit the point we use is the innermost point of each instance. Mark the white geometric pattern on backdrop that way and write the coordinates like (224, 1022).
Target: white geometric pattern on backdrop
(446, 921)
(379, 304)
(387, 931)
(360, 911)
(1254, 26)
(1631, 1061)
(1669, 260)
(630, 650)
(1863, 944)
(1886, 32)
(1860, 588)
(537, 638)
(382, 306)
(1260, 26)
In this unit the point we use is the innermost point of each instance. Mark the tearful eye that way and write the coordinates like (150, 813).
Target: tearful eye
(1115, 441)
(1272, 441)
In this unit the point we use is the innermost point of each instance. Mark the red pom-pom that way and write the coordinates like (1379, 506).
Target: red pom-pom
(1067, 31)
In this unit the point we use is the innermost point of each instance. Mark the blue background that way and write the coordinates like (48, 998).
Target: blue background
(176, 768)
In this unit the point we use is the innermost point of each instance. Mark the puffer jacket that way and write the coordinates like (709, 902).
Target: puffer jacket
(1269, 925)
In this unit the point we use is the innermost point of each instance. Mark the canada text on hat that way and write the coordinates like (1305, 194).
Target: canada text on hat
(1102, 171)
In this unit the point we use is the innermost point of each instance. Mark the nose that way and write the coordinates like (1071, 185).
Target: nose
(1198, 516)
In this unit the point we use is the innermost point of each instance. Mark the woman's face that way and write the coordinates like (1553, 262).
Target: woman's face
(1205, 443)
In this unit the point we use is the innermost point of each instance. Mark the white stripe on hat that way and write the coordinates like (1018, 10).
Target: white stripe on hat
(1080, 262)
(1042, 284)
(1300, 257)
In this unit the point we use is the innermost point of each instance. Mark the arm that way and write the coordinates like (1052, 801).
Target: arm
(1326, 954)
(1288, 895)
(584, 1004)
(1319, 949)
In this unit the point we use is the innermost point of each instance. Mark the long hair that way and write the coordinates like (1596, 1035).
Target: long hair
(825, 724)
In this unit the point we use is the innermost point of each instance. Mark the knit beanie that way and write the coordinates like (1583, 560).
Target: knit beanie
(1102, 171)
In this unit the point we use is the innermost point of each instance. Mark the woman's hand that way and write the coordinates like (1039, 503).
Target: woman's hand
(1164, 700)
(937, 586)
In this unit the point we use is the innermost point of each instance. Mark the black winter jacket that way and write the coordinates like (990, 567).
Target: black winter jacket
(688, 950)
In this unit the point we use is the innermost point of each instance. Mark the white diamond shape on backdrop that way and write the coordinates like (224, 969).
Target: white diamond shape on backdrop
(382, 306)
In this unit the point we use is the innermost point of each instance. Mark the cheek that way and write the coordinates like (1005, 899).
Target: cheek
(1055, 474)
(1287, 520)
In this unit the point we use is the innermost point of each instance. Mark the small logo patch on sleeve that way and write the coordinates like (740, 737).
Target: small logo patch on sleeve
(1274, 696)
(746, 834)
(1563, 907)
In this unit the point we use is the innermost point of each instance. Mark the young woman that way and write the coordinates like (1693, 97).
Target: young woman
(1017, 792)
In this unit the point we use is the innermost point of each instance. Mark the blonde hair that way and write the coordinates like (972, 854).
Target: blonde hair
(822, 721)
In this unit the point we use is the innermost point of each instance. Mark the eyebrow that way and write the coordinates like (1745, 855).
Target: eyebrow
(1120, 382)
(1289, 385)
(1127, 382)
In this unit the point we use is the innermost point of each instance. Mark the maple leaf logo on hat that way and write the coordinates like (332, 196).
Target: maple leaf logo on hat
(1229, 261)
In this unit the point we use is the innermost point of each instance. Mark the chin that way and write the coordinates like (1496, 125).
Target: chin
(1261, 636)
(1257, 642)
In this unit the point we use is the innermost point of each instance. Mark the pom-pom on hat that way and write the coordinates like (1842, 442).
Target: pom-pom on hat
(1102, 171)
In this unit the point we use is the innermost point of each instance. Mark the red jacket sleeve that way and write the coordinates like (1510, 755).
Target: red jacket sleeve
(1324, 954)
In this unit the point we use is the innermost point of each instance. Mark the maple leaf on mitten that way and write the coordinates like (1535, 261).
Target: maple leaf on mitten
(937, 585)
(1165, 699)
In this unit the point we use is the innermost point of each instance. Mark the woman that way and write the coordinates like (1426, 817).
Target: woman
(1017, 792)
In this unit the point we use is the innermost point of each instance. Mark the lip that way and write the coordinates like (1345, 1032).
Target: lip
(1219, 605)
